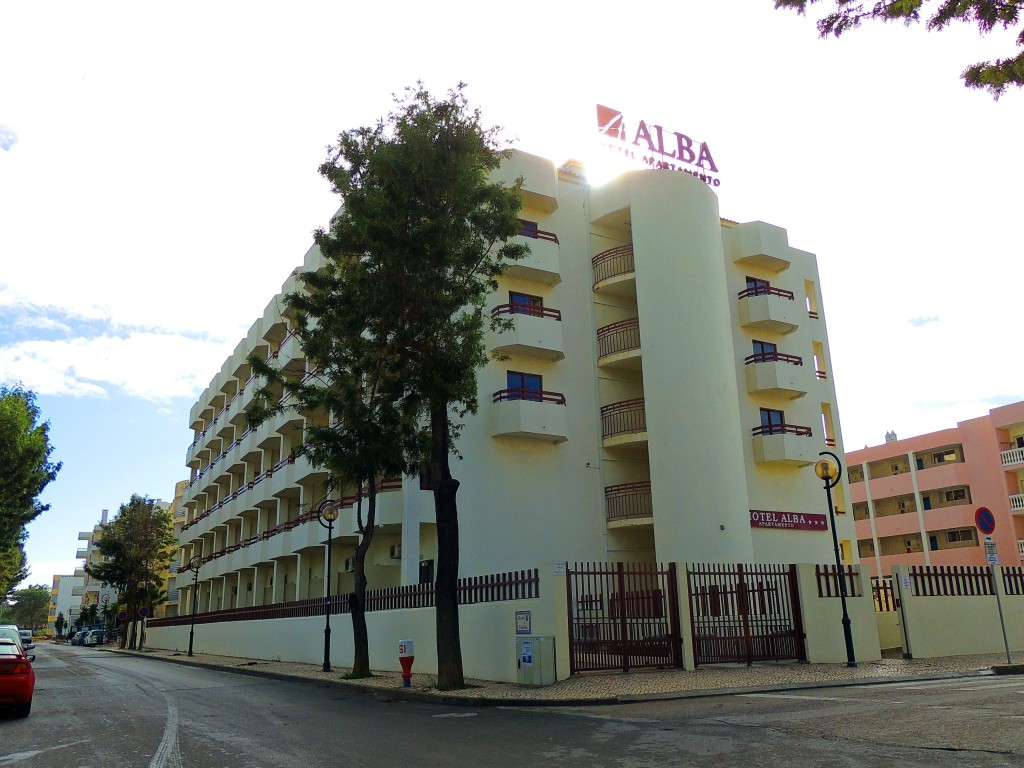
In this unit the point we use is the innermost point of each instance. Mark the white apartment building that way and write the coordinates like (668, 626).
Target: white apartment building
(665, 390)
(64, 599)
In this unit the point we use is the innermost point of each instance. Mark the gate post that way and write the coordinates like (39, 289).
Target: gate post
(623, 624)
(675, 626)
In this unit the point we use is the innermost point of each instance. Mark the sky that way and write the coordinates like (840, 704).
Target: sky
(158, 184)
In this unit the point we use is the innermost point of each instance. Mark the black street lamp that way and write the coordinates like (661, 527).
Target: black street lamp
(193, 565)
(71, 622)
(328, 510)
(831, 472)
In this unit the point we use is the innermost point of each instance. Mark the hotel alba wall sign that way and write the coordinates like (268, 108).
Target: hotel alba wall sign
(793, 521)
(655, 146)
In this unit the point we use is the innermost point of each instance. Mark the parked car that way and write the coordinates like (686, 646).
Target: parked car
(10, 632)
(26, 636)
(93, 637)
(76, 639)
(17, 678)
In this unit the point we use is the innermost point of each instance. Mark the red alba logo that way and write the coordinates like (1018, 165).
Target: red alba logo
(657, 147)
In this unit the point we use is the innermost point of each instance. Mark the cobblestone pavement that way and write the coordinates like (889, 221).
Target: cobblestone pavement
(614, 687)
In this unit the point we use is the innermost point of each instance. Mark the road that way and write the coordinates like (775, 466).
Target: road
(96, 709)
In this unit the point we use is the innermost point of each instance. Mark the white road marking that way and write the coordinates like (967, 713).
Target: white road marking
(167, 754)
(457, 714)
(18, 757)
(992, 686)
(792, 696)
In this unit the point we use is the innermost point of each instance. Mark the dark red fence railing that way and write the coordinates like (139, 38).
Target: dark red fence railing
(628, 500)
(613, 262)
(526, 309)
(533, 395)
(625, 417)
(782, 429)
(500, 587)
(623, 336)
(773, 357)
(766, 290)
(951, 581)
(828, 583)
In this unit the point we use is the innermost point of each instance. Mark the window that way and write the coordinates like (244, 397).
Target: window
(764, 351)
(529, 385)
(895, 469)
(926, 502)
(527, 228)
(756, 282)
(962, 534)
(943, 456)
(957, 494)
(772, 421)
(525, 304)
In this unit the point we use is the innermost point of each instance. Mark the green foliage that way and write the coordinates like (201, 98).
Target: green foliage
(25, 457)
(137, 546)
(992, 76)
(29, 608)
(13, 568)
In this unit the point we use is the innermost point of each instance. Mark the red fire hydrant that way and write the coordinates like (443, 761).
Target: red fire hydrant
(406, 656)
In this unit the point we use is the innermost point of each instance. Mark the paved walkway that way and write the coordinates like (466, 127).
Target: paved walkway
(615, 687)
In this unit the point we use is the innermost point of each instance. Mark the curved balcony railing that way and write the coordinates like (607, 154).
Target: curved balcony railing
(623, 336)
(526, 309)
(628, 501)
(613, 262)
(773, 357)
(781, 429)
(766, 290)
(623, 418)
(533, 395)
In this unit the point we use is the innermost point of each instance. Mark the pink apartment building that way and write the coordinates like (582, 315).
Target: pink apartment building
(914, 500)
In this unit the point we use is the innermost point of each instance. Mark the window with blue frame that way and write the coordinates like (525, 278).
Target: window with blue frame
(524, 386)
(525, 304)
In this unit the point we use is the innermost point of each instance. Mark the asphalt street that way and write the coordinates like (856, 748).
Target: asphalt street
(96, 709)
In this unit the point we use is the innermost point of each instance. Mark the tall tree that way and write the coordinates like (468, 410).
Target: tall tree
(29, 608)
(992, 76)
(424, 233)
(25, 457)
(13, 568)
(360, 425)
(137, 546)
(59, 624)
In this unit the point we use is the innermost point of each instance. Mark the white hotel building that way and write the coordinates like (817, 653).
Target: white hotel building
(687, 390)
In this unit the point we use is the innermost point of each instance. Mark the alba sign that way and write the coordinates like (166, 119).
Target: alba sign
(794, 521)
(655, 146)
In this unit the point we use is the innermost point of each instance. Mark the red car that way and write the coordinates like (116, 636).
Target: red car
(17, 678)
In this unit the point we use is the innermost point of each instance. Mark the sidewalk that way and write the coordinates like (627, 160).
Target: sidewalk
(613, 687)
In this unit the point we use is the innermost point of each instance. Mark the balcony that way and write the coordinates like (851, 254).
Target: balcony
(618, 345)
(81, 553)
(1020, 547)
(529, 413)
(535, 331)
(775, 374)
(769, 309)
(77, 591)
(761, 245)
(1017, 502)
(628, 504)
(624, 424)
(614, 271)
(543, 264)
(1012, 457)
(784, 444)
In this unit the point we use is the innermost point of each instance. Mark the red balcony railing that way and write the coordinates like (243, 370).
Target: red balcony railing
(536, 234)
(623, 336)
(622, 418)
(526, 309)
(533, 395)
(613, 262)
(820, 375)
(830, 442)
(773, 357)
(812, 314)
(766, 290)
(782, 429)
(628, 501)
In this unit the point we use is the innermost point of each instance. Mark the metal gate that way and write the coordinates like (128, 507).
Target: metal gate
(744, 613)
(623, 616)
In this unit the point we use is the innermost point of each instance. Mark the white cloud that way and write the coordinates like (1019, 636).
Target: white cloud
(152, 366)
(7, 138)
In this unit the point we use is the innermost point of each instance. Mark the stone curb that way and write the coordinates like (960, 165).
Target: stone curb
(1008, 669)
(428, 697)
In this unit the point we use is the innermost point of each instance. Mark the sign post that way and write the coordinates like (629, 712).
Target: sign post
(986, 522)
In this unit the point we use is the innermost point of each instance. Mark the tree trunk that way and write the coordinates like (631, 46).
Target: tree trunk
(446, 584)
(357, 600)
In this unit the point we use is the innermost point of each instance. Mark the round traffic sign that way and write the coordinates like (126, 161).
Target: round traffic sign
(985, 520)
(122, 615)
(144, 611)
